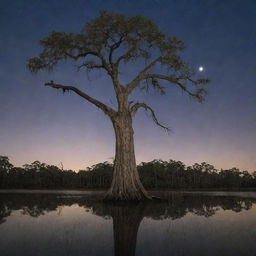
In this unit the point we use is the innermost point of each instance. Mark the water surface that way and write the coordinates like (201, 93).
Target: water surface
(77, 223)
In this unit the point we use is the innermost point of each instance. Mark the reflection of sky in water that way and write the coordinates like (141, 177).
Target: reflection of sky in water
(69, 231)
(77, 229)
(225, 233)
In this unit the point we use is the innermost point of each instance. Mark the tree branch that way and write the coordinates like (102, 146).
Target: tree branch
(106, 109)
(124, 56)
(90, 65)
(176, 80)
(138, 105)
(141, 75)
(113, 48)
(103, 65)
(76, 57)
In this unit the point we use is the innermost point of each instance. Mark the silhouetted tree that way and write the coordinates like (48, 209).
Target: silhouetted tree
(106, 43)
(157, 174)
(5, 167)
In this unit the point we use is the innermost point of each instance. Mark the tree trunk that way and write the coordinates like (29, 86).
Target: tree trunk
(126, 184)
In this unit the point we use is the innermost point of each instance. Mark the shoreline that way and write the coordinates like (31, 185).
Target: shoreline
(93, 194)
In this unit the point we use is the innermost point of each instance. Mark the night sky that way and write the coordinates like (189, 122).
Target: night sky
(40, 123)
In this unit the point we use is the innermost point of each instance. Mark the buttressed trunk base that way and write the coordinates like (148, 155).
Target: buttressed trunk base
(126, 184)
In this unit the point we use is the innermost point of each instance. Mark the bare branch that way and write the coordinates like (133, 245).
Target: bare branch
(138, 105)
(103, 64)
(113, 48)
(76, 57)
(176, 80)
(90, 65)
(106, 109)
(126, 55)
(141, 75)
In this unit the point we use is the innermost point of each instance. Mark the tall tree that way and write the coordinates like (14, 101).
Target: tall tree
(107, 43)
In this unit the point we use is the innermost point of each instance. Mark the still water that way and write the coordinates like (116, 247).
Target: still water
(77, 223)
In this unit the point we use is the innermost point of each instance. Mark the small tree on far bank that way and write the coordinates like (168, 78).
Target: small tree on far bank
(106, 43)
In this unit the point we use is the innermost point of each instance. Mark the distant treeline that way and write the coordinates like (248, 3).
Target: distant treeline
(156, 174)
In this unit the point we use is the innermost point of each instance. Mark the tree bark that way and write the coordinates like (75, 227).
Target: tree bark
(126, 184)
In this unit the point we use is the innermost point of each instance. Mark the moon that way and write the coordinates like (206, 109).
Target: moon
(201, 68)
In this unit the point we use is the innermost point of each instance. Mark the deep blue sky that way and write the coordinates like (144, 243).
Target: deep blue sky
(39, 123)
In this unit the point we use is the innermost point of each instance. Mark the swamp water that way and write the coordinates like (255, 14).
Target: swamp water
(76, 223)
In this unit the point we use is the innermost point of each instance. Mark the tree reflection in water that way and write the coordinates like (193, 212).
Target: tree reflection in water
(126, 217)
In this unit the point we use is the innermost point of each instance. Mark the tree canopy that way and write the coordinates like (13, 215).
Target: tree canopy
(111, 40)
